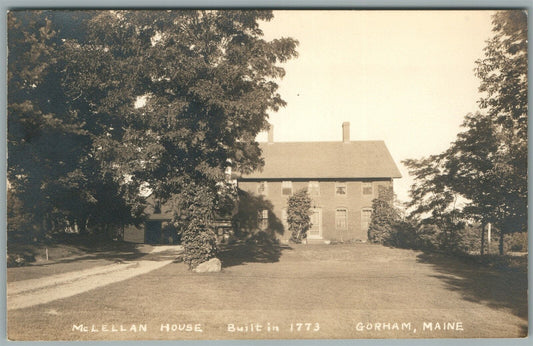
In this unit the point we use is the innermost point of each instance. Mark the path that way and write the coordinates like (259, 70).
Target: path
(26, 293)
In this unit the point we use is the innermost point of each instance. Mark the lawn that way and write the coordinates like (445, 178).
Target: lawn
(302, 291)
(69, 256)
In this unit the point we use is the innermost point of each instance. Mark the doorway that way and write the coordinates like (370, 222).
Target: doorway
(315, 232)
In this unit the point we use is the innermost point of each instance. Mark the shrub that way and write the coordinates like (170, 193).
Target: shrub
(516, 242)
(458, 238)
(298, 215)
(19, 260)
(384, 216)
(402, 234)
(199, 242)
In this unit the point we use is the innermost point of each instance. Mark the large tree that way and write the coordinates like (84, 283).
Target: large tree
(207, 80)
(52, 168)
(487, 163)
(162, 99)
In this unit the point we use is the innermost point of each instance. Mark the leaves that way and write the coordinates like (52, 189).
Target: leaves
(486, 166)
(299, 215)
(208, 80)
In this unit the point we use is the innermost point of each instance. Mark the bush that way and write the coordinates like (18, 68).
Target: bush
(298, 215)
(402, 235)
(380, 234)
(199, 242)
(199, 239)
(516, 242)
(384, 217)
(455, 239)
(19, 260)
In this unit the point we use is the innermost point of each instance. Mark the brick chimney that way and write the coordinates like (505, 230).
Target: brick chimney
(271, 133)
(346, 132)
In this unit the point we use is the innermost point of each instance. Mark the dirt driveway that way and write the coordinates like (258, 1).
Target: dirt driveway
(314, 291)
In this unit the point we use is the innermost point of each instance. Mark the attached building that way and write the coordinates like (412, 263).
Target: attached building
(342, 178)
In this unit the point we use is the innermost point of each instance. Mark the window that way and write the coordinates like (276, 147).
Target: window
(340, 188)
(314, 188)
(262, 188)
(286, 188)
(341, 218)
(263, 219)
(367, 188)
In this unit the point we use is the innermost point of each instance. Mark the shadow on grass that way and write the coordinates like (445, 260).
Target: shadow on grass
(496, 288)
(245, 252)
(79, 251)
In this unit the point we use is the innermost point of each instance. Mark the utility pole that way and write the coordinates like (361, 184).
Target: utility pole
(482, 252)
(488, 237)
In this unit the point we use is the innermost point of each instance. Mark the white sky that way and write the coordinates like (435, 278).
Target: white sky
(405, 77)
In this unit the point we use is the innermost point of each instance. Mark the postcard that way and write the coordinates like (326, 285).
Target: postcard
(266, 174)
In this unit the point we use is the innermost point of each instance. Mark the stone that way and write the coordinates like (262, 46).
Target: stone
(212, 266)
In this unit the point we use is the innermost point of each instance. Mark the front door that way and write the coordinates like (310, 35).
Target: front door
(315, 232)
(366, 217)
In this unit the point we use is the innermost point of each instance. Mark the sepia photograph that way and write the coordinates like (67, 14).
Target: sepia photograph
(222, 174)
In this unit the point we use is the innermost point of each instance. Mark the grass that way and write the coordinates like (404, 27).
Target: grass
(337, 287)
(72, 254)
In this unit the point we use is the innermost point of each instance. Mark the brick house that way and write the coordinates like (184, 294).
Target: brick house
(342, 178)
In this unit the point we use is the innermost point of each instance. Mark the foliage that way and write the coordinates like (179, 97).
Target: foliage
(516, 242)
(246, 219)
(208, 81)
(17, 220)
(486, 166)
(403, 235)
(52, 169)
(384, 216)
(199, 240)
(82, 144)
(298, 215)
(387, 226)
(18, 259)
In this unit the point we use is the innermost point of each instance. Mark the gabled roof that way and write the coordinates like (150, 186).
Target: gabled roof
(306, 160)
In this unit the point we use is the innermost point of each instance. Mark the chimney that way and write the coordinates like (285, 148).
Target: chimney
(271, 133)
(346, 132)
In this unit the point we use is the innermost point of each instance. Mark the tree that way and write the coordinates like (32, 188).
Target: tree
(298, 215)
(433, 205)
(207, 79)
(503, 74)
(491, 155)
(52, 166)
(487, 164)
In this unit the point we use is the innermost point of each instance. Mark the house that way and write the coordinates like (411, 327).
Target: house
(160, 226)
(157, 228)
(342, 178)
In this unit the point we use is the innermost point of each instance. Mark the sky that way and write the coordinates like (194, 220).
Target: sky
(405, 77)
